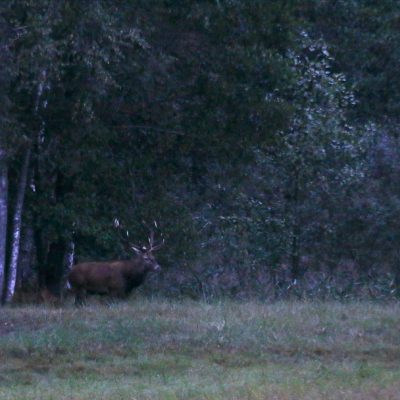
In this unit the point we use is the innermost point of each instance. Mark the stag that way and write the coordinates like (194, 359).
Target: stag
(113, 278)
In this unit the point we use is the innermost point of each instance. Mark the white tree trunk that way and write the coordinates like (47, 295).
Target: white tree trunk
(3, 217)
(68, 262)
(16, 229)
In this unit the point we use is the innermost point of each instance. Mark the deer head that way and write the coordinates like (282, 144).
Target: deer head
(145, 253)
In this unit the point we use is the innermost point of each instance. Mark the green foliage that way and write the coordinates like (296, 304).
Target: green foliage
(364, 36)
(246, 128)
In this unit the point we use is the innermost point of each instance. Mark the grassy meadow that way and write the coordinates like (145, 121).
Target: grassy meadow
(155, 349)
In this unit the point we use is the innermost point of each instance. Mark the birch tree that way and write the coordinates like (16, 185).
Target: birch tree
(16, 228)
(3, 214)
(6, 61)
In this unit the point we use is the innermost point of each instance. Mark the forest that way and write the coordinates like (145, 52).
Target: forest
(258, 139)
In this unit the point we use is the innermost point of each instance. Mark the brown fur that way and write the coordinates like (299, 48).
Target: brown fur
(115, 278)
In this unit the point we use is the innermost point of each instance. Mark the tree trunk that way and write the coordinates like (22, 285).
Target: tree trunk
(55, 267)
(396, 274)
(16, 229)
(67, 265)
(295, 254)
(40, 255)
(296, 232)
(38, 234)
(396, 281)
(3, 217)
(25, 271)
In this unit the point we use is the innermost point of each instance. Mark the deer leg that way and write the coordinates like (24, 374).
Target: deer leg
(80, 297)
(115, 296)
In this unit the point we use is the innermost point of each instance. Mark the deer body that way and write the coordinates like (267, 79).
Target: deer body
(115, 278)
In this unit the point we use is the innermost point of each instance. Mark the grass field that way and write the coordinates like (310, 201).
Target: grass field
(153, 349)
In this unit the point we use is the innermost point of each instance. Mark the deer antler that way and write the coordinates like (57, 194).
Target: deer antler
(151, 240)
(125, 237)
(158, 246)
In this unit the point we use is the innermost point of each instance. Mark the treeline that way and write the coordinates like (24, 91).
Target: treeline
(262, 136)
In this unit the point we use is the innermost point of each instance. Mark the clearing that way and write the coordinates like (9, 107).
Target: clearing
(157, 349)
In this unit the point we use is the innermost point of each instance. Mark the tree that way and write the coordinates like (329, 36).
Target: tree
(224, 121)
(6, 122)
(311, 166)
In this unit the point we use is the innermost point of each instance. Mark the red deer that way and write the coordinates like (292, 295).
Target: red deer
(114, 278)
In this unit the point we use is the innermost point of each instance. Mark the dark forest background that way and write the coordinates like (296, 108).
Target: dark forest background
(262, 136)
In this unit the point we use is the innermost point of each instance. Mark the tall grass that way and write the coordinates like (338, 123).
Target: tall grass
(153, 349)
